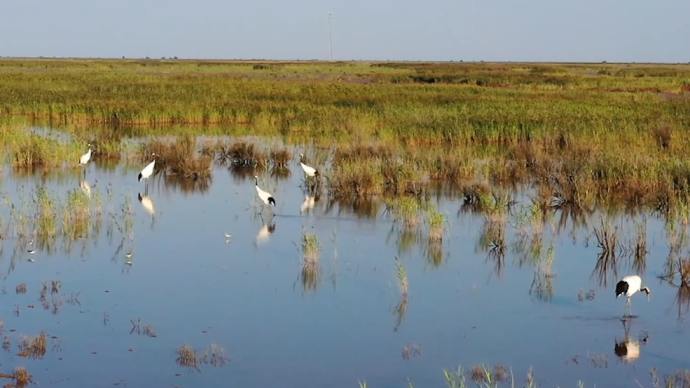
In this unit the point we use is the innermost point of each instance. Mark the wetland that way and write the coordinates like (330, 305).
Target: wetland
(468, 224)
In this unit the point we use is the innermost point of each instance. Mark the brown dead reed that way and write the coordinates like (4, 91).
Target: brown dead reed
(20, 289)
(34, 347)
(179, 157)
(21, 376)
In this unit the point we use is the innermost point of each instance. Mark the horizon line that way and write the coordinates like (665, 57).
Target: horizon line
(125, 58)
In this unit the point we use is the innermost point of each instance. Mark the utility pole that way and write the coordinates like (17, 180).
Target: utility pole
(330, 34)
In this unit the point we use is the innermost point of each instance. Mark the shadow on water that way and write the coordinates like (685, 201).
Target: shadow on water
(198, 287)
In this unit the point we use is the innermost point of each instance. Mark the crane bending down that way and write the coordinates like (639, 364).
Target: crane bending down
(310, 171)
(628, 286)
(265, 196)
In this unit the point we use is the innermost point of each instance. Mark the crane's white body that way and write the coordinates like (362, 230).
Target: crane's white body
(265, 196)
(148, 170)
(310, 171)
(629, 286)
(86, 157)
(634, 285)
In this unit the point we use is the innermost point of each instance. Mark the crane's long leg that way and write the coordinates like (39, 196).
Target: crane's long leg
(628, 309)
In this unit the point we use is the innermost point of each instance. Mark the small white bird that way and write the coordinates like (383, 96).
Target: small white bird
(310, 171)
(630, 285)
(265, 196)
(85, 158)
(147, 171)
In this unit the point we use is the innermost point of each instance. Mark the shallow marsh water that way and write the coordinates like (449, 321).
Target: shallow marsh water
(247, 296)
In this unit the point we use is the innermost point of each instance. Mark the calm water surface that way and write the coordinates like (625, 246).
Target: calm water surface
(247, 296)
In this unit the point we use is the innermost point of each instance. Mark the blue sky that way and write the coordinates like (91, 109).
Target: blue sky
(489, 30)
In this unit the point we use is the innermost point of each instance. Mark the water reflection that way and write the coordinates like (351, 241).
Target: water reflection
(147, 204)
(187, 186)
(265, 231)
(308, 204)
(367, 208)
(491, 229)
(628, 349)
(85, 188)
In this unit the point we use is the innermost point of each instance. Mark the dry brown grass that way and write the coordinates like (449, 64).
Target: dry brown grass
(186, 356)
(663, 136)
(280, 157)
(248, 154)
(21, 376)
(20, 289)
(192, 358)
(178, 158)
(34, 347)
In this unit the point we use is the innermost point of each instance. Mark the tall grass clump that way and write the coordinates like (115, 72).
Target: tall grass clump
(436, 223)
(76, 215)
(408, 211)
(46, 213)
(248, 154)
(178, 157)
(21, 376)
(32, 151)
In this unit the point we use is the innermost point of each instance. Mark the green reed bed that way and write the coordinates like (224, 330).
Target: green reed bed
(588, 132)
(129, 92)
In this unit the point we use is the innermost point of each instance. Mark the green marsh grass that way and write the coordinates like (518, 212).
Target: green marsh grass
(586, 133)
(436, 224)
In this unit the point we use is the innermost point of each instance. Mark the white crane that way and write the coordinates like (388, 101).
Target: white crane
(85, 158)
(265, 196)
(146, 172)
(628, 286)
(310, 171)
